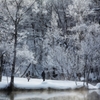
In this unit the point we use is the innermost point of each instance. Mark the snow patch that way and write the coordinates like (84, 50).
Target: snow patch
(98, 85)
(22, 83)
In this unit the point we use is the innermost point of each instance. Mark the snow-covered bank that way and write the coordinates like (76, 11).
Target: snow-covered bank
(36, 84)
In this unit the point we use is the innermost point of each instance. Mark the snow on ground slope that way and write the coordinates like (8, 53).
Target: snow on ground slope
(98, 85)
(22, 83)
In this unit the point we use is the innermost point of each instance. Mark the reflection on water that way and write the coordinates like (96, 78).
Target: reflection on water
(52, 95)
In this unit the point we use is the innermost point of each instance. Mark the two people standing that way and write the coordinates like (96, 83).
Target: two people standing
(42, 74)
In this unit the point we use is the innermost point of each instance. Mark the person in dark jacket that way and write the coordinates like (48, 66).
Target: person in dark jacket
(43, 75)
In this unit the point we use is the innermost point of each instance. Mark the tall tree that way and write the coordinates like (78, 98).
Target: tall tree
(15, 10)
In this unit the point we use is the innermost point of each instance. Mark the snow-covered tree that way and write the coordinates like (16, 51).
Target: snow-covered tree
(60, 8)
(62, 35)
(86, 32)
(55, 56)
(39, 23)
(15, 11)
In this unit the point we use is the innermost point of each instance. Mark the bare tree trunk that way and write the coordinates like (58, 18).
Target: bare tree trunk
(0, 73)
(1, 66)
(14, 59)
(87, 80)
(84, 75)
(89, 70)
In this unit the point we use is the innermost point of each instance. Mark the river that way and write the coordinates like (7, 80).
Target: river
(52, 95)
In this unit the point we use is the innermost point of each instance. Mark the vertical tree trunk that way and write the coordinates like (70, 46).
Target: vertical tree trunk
(89, 70)
(14, 59)
(0, 73)
(1, 66)
(85, 69)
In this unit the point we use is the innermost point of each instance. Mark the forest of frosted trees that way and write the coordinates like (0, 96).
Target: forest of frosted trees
(61, 37)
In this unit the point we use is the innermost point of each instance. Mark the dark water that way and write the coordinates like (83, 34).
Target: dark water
(52, 95)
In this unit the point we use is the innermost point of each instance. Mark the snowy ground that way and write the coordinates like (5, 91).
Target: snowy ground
(22, 83)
